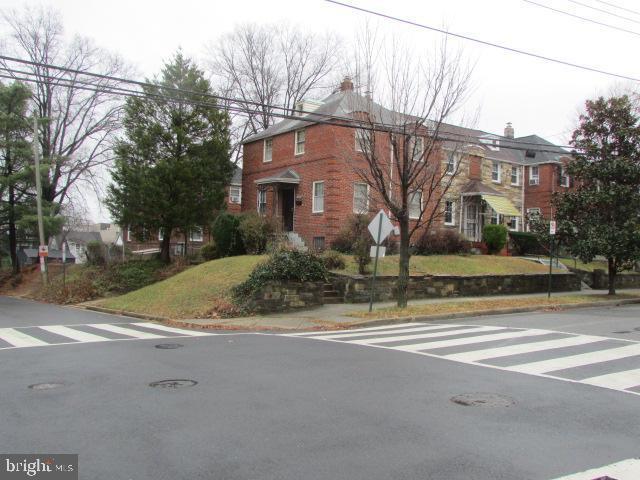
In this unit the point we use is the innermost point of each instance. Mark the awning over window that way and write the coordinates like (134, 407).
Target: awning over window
(502, 205)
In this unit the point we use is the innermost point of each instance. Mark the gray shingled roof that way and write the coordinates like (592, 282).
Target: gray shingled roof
(345, 103)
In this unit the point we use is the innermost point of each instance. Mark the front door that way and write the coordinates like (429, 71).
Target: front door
(471, 222)
(288, 202)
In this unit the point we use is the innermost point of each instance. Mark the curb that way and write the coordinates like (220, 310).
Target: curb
(483, 313)
(366, 323)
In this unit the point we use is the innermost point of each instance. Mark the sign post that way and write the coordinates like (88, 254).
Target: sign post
(379, 228)
(552, 232)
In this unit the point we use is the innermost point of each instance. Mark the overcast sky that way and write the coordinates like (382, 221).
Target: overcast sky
(537, 96)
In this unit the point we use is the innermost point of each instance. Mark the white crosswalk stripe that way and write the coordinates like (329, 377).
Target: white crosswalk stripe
(613, 363)
(37, 336)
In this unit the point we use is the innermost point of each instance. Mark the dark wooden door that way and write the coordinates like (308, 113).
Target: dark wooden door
(288, 202)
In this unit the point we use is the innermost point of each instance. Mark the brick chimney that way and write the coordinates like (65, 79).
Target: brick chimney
(346, 85)
(508, 130)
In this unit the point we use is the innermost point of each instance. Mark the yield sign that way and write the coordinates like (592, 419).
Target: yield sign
(380, 227)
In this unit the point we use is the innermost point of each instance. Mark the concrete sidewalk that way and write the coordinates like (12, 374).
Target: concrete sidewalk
(336, 316)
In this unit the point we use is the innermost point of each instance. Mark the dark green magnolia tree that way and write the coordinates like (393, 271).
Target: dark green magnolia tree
(16, 176)
(602, 215)
(173, 165)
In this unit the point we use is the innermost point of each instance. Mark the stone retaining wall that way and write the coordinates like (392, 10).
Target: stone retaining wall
(599, 279)
(356, 289)
(284, 296)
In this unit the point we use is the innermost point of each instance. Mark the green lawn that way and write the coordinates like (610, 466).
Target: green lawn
(453, 265)
(194, 293)
(589, 267)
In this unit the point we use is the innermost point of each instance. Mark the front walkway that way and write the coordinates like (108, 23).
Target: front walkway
(337, 315)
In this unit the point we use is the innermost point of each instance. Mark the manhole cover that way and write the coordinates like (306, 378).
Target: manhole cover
(45, 386)
(177, 383)
(637, 329)
(483, 400)
(623, 331)
(169, 346)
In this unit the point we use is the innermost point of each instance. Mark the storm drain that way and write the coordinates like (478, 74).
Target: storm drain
(46, 386)
(169, 346)
(173, 384)
(483, 400)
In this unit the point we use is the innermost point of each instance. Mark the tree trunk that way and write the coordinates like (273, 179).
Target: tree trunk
(13, 243)
(403, 273)
(165, 254)
(612, 276)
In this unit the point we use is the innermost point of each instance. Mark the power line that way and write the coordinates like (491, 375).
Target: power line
(311, 117)
(619, 7)
(562, 12)
(484, 42)
(603, 11)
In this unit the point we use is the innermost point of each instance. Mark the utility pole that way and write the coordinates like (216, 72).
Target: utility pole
(36, 155)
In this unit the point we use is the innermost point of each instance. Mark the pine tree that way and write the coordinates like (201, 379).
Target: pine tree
(602, 216)
(173, 165)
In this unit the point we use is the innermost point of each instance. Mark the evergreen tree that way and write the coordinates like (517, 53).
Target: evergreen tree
(15, 155)
(173, 165)
(602, 215)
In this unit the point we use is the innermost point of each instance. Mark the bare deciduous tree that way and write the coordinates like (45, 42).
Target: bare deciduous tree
(77, 124)
(408, 150)
(272, 66)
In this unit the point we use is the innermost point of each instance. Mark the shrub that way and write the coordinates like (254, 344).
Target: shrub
(442, 242)
(495, 237)
(79, 290)
(333, 260)
(526, 243)
(254, 231)
(282, 265)
(96, 253)
(131, 275)
(209, 251)
(354, 238)
(226, 234)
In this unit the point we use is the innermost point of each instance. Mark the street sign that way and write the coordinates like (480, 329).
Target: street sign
(380, 228)
(552, 227)
(381, 251)
(43, 251)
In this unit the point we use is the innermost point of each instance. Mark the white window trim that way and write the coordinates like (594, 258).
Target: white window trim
(314, 208)
(295, 143)
(366, 136)
(196, 235)
(418, 154)
(239, 196)
(453, 159)
(534, 179)
(366, 206)
(518, 175)
(261, 192)
(517, 227)
(414, 217)
(499, 164)
(264, 150)
(453, 213)
(563, 176)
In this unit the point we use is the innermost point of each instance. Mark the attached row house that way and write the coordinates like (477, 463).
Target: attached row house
(300, 171)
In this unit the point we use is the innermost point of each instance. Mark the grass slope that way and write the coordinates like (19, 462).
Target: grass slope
(453, 265)
(193, 293)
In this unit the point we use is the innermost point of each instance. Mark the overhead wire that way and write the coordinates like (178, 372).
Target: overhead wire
(602, 10)
(483, 42)
(619, 7)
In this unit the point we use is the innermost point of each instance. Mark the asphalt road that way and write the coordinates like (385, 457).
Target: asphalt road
(278, 407)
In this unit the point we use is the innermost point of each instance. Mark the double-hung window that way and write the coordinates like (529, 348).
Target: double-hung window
(360, 198)
(235, 194)
(564, 177)
(514, 224)
(300, 138)
(318, 197)
(268, 150)
(495, 172)
(534, 175)
(417, 149)
(415, 204)
(196, 234)
(363, 140)
(262, 202)
(449, 209)
(515, 175)
(452, 163)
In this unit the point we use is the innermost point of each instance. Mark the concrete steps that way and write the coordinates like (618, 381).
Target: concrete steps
(330, 295)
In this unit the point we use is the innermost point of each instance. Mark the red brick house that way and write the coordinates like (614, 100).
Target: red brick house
(295, 171)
